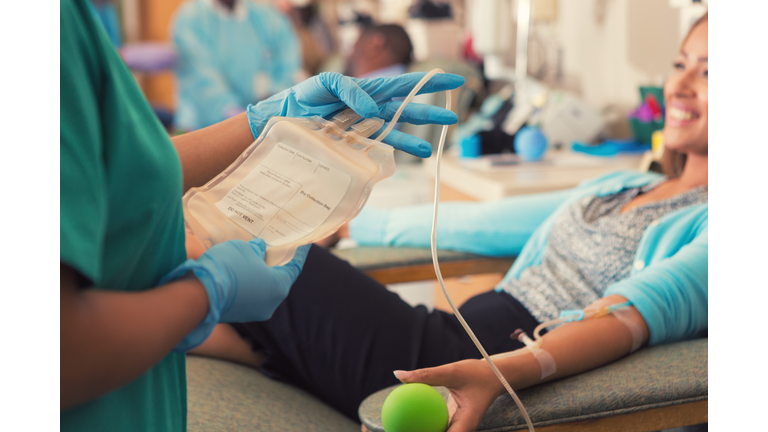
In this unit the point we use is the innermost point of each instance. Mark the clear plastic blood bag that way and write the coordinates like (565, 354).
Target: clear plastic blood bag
(297, 183)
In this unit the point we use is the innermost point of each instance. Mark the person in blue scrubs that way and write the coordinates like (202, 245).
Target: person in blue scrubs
(230, 53)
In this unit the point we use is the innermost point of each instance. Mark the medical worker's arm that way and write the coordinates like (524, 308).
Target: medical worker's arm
(200, 79)
(110, 338)
(576, 347)
(207, 152)
(494, 228)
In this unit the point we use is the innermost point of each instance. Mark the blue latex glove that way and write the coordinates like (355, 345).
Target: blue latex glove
(328, 93)
(239, 284)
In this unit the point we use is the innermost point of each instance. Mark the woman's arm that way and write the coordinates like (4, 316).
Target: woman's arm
(575, 347)
(110, 338)
(494, 228)
(207, 152)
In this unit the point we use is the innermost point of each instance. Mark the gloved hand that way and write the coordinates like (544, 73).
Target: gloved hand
(328, 93)
(239, 284)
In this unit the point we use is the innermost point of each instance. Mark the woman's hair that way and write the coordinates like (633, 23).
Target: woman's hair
(673, 162)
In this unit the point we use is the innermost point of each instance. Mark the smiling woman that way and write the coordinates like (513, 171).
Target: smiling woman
(686, 95)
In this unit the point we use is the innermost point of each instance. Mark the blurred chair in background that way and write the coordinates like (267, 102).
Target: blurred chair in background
(231, 53)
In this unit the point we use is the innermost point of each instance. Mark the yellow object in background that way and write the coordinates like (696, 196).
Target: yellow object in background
(657, 143)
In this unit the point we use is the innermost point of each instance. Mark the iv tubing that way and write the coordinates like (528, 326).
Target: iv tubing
(434, 237)
(594, 314)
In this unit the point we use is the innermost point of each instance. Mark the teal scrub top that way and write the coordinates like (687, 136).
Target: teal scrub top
(121, 224)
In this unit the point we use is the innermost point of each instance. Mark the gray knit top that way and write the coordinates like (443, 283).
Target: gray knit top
(591, 246)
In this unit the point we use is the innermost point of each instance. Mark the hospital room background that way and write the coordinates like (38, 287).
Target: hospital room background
(556, 92)
(595, 70)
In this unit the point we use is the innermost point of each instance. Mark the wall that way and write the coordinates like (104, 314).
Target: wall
(610, 47)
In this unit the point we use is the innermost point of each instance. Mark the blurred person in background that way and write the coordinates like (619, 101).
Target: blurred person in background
(381, 51)
(230, 53)
(317, 43)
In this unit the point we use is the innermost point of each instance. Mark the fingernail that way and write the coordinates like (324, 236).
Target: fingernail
(401, 375)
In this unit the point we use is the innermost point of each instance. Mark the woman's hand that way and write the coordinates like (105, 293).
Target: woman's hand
(473, 387)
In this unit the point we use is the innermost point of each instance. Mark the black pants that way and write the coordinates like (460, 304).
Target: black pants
(340, 334)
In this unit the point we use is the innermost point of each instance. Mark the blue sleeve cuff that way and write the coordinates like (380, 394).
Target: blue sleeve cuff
(197, 336)
(255, 121)
(369, 227)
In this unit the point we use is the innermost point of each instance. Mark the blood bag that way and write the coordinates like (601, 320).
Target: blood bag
(299, 182)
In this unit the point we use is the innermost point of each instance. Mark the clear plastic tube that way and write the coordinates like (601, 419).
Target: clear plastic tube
(434, 237)
(563, 319)
(542, 326)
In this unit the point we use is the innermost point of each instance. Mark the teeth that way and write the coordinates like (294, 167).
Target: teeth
(679, 114)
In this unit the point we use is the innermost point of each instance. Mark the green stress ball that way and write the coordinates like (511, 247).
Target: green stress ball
(414, 407)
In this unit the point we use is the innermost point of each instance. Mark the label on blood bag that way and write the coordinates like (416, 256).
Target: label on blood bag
(286, 197)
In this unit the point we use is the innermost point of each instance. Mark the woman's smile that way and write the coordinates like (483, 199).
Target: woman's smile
(680, 115)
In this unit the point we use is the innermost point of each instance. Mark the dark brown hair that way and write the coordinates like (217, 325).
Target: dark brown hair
(396, 39)
(673, 162)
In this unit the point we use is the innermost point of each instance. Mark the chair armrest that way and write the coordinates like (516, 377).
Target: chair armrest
(228, 397)
(655, 388)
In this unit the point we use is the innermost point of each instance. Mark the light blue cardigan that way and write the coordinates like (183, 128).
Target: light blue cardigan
(668, 282)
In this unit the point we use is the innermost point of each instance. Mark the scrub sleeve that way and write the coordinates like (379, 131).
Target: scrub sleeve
(339, 334)
(121, 223)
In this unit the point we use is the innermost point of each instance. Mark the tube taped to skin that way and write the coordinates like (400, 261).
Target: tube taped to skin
(624, 316)
(545, 359)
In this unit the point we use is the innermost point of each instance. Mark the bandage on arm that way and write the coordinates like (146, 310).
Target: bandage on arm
(577, 346)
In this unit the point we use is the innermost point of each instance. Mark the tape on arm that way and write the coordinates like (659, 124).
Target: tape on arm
(545, 359)
(625, 317)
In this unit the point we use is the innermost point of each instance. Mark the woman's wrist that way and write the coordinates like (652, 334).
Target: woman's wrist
(520, 369)
(489, 378)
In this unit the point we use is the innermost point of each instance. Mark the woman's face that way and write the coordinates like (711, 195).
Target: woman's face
(685, 126)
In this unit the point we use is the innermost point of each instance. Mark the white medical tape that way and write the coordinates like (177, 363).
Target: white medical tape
(625, 316)
(545, 359)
